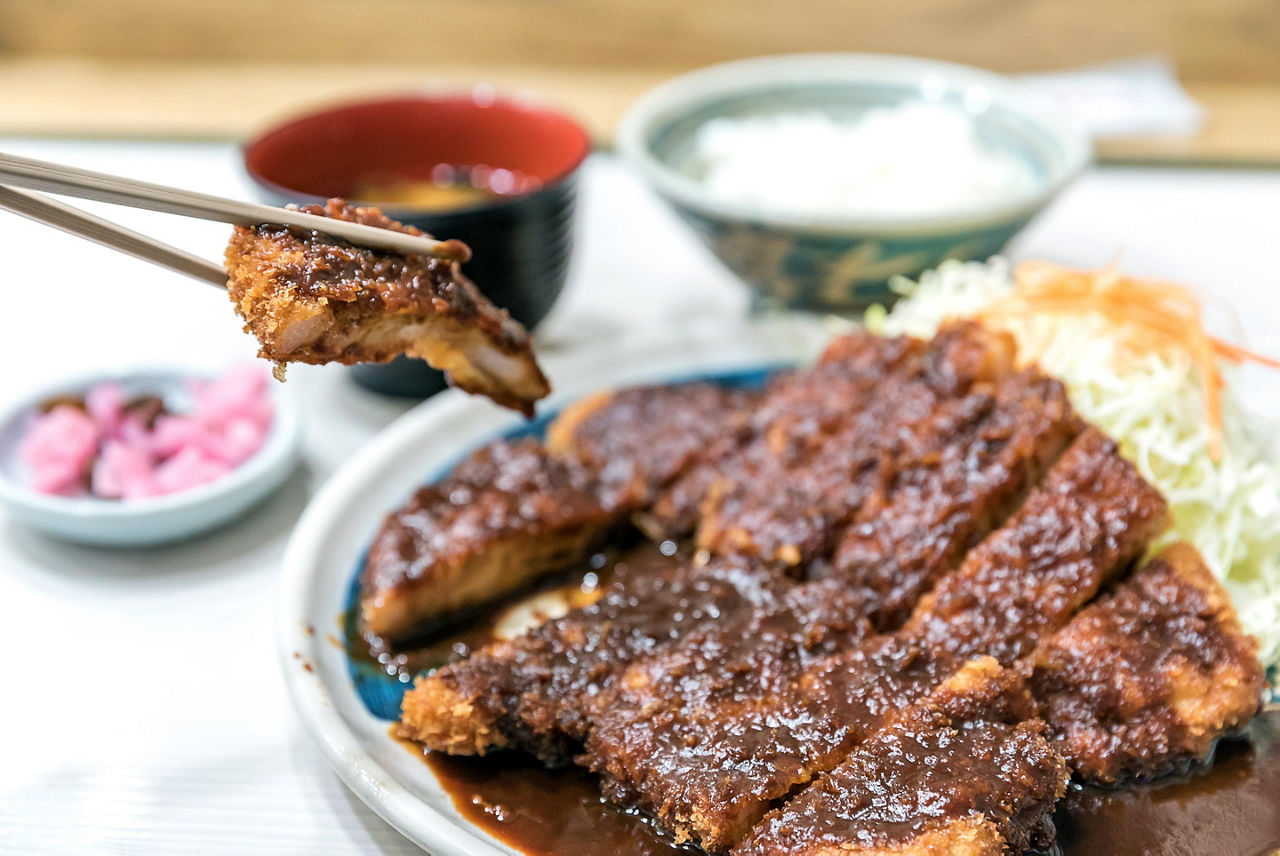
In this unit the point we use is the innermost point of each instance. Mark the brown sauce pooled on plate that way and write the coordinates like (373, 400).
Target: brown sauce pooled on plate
(1231, 809)
(544, 812)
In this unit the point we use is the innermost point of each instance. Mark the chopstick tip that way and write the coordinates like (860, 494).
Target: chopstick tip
(455, 250)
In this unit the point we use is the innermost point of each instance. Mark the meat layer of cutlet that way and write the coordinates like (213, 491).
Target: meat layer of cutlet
(639, 440)
(312, 298)
(507, 514)
(708, 762)
(1144, 680)
(821, 437)
(967, 772)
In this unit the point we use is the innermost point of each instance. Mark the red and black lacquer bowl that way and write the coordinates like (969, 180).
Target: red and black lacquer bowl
(520, 242)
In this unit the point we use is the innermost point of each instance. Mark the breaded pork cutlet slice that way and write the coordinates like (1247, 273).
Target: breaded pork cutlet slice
(506, 515)
(966, 772)
(639, 440)
(1093, 515)
(1145, 680)
(708, 763)
(538, 691)
(795, 415)
(311, 298)
(976, 463)
(823, 437)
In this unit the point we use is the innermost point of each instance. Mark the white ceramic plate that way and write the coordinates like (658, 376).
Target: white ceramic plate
(331, 537)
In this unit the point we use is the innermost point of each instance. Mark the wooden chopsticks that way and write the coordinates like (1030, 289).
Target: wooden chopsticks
(85, 184)
(42, 209)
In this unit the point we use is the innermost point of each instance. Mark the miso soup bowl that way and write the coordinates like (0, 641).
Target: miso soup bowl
(831, 262)
(520, 243)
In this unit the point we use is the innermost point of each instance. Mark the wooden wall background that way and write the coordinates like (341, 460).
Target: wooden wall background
(221, 67)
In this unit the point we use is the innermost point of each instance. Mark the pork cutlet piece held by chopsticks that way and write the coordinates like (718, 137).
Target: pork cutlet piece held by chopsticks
(311, 298)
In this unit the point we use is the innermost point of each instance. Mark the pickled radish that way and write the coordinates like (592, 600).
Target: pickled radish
(114, 448)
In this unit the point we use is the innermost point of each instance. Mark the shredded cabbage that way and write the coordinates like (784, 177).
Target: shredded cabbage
(1153, 406)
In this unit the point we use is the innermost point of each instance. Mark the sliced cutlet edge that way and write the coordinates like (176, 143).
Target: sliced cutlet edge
(1093, 515)
(966, 770)
(943, 502)
(1143, 681)
(445, 718)
(506, 515)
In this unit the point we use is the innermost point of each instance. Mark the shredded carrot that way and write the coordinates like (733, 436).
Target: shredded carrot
(1147, 315)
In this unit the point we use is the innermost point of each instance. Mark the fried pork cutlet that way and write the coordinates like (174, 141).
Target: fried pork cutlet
(708, 762)
(639, 440)
(823, 437)
(1144, 680)
(1017, 426)
(966, 772)
(506, 515)
(311, 298)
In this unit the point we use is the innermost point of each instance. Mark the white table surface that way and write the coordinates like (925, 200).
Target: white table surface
(142, 709)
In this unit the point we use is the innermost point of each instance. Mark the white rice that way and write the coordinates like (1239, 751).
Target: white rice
(915, 158)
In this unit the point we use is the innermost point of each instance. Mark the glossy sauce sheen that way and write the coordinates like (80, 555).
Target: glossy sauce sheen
(1233, 809)
(540, 811)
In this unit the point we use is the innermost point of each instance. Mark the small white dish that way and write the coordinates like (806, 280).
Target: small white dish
(330, 539)
(89, 520)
